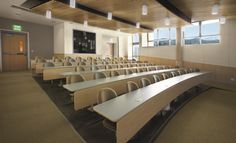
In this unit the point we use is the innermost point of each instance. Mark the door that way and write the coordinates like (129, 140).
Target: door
(14, 51)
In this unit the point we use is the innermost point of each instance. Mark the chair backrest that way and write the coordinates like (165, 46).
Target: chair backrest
(67, 64)
(131, 86)
(151, 68)
(99, 75)
(140, 70)
(121, 66)
(72, 60)
(128, 71)
(114, 73)
(181, 72)
(58, 60)
(82, 63)
(49, 64)
(165, 76)
(174, 74)
(95, 68)
(106, 94)
(145, 82)
(109, 67)
(80, 69)
(76, 78)
(156, 78)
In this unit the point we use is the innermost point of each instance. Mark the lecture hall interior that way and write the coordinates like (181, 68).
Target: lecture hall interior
(117, 71)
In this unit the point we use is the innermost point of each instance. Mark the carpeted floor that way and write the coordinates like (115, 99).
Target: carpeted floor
(209, 118)
(27, 115)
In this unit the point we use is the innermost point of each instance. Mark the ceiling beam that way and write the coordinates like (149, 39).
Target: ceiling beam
(172, 8)
(33, 3)
(97, 12)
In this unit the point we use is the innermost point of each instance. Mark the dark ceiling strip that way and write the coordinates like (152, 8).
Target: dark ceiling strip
(168, 5)
(97, 12)
(33, 3)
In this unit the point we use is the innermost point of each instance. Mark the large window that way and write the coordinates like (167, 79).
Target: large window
(135, 50)
(205, 32)
(210, 32)
(160, 37)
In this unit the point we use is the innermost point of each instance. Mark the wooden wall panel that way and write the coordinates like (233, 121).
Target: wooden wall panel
(221, 74)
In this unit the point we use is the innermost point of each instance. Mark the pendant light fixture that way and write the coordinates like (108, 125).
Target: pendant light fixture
(72, 3)
(137, 25)
(109, 16)
(144, 9)
(85, 23)
(167, 21)
(49, 14)
(215, 9)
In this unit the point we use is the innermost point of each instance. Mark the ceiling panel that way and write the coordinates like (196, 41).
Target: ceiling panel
(201, 9)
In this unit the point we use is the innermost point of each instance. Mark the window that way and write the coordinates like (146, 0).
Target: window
(205, 32)
(160, 37)
(172, 36)
(210, 32)
(191, 34)
(151, 39)
(144, 40)
(164, 36)
(135, 50)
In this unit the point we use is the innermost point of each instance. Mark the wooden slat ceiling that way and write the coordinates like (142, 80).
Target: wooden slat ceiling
(200, 10)
(130, 10)
(127, 9)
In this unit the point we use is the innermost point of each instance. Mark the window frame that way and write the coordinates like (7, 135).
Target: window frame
(200, 36)
(156, 31)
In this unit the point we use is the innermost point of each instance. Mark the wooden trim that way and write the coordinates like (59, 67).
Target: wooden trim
(168, 5)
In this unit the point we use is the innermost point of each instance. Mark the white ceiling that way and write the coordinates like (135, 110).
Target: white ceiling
(7, 11)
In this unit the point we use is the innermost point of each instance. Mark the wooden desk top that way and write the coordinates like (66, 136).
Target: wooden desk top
(118, 107)
(86, 84)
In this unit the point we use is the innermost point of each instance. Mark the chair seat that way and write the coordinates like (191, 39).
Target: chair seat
(109, 125)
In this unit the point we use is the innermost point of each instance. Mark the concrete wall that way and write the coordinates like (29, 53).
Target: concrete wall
(40, 36)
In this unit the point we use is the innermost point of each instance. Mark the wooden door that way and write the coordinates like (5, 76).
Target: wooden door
(14, 51)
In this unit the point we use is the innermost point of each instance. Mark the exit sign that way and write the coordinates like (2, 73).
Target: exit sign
(17, 27)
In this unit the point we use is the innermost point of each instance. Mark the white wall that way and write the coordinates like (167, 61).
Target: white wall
(166, 52)
(223, 54)
(67, 38)
(217, 54)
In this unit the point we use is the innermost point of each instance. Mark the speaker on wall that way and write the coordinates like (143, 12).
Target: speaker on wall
(84, 42)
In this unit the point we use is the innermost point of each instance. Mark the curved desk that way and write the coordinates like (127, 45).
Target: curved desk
(133, 110)
(86, 92)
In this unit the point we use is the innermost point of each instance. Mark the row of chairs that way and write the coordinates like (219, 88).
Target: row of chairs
(108, 66)
(106, 94)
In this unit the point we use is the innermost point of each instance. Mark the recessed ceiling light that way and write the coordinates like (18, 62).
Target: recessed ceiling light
(109, 16)
(72, 3)
(137, 25)
(215, 9)
(222, 20)
(144, 9)
(49, 14)
(85, 23)
(167, 21)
